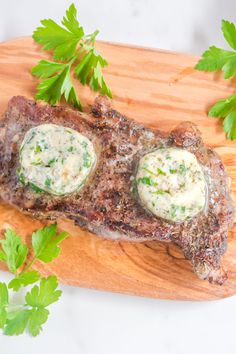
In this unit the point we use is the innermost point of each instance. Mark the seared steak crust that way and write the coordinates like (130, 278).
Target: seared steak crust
(108, 204)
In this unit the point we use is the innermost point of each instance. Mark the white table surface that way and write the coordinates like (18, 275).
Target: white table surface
(92, 322)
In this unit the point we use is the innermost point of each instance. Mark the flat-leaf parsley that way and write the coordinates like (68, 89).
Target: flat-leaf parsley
(216, 59)
(33, 313)
(72, 50)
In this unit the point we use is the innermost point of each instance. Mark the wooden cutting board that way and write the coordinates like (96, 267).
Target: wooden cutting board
(159, 89)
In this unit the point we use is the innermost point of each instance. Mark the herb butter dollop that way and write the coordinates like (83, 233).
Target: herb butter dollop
(56, 159)
(171, 184)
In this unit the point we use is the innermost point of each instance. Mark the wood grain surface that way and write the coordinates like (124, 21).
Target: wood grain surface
(159, 89)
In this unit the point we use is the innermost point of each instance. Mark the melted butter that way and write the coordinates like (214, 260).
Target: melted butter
(56, 159)
(171, 184)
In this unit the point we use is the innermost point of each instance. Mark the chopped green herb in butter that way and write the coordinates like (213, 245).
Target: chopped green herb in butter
(171, 184)
(51, 162)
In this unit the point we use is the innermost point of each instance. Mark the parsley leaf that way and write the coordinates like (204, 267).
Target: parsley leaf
(24, 279)
(14, 250)
(3, 304)
(51, 89)
(89, 71)
(17, 322)
(215, 59)
(160, 172)
(229, 32)
(3, 256)
(47, 68)
(230, 125)
(35, 188)
(160, 192)
(70, 46)
(45, 294)
(182, 168)
(36, 314)
(45, 243)
(145, 180)
(37, 318)
(226, 109)
(62, 40)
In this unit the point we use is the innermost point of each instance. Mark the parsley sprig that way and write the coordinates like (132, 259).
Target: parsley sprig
(216, 59)
(34, 312)
(72, 51)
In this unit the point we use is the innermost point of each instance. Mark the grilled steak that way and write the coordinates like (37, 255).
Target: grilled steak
(108, 204)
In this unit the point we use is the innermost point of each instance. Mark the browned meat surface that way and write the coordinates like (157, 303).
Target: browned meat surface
(108, 204)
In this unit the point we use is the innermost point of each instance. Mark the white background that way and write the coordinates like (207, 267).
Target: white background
(92, 322)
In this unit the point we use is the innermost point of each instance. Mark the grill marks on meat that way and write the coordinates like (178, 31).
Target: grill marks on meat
(108, 204)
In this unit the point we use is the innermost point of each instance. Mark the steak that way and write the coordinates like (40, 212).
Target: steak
(108, 204)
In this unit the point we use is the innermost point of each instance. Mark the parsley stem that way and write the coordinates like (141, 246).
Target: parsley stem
(14, 307)
(73, 59)
(29, 265)
(90, 38)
